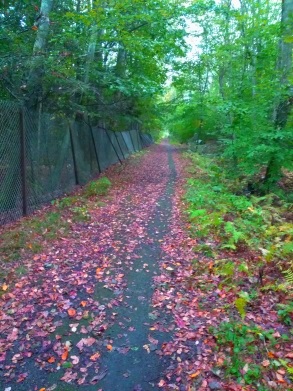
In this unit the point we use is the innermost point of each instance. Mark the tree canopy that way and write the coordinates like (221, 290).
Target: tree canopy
(105, 58)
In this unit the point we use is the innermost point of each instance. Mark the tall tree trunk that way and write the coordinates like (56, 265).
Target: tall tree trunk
(42, 24)
(93, 56)
(91, 51)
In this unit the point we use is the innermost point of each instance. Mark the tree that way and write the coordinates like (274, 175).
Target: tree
(236, 61)
(96, 58)
(41, 26)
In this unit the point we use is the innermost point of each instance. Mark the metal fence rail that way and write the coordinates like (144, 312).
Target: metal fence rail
(43, 156)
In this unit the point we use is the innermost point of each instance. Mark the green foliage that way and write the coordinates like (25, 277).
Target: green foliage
(285, 313)
(242, 340)
(108, 60)
(240, 304)
(99, 187)
(289, 277)
(235, 220)
(243, 300)
(80, 213)
(225, 268)
(65, 202)
(229, 89)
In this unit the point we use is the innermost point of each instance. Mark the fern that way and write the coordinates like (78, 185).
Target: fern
(240, 304)
(225, 269)
(288, 368)
(290, 371)
(288, 274)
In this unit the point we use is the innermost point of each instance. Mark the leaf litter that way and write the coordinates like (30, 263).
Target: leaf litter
(56, 317)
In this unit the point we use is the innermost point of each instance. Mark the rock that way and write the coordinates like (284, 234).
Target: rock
(214, 386)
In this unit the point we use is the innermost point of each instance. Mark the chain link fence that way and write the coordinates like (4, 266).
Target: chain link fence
(43, 156)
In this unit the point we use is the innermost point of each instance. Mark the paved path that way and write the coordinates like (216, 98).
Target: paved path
(88, 317)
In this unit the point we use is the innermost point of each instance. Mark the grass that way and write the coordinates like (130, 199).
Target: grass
(31, 234)
(99, 187)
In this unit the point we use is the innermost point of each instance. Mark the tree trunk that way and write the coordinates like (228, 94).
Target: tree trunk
(42, 24)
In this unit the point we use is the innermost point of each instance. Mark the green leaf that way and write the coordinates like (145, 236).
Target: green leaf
(240, 304)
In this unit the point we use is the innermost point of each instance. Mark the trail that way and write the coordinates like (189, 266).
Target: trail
(83, 316)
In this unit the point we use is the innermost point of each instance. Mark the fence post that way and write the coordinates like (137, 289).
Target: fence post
(141, 141)
(119, 145)
(122, 134)
(23, 161)
(137, 136)
(134, 150)
(117, 154)
(73, 156)
(95, 147)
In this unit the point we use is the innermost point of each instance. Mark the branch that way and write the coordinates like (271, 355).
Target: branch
(138, 27)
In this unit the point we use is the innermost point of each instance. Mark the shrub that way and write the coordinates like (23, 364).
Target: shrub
(98, 187)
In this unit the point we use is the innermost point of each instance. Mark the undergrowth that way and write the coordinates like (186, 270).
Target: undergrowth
(99, 187)
(31, 234)
(245, 246)
(235, 220)
(239, 341)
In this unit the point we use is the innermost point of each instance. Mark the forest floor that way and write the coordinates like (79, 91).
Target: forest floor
(116, 302)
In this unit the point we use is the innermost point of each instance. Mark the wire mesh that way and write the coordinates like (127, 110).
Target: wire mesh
(43, 156)
(10, 179)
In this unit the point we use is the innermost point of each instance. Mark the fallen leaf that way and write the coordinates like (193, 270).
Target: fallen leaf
(71, 312)
(4, 287)
(99, 376)
(51, 360)
(69, 376)
(245, 369)
(13, 335)
(194, 375)
(85, 341)
(95, 356)
(64, 355)
(280, 378)
(110, 347)
(153, 340)
(281, 371)
(147, 348)
(75, 359)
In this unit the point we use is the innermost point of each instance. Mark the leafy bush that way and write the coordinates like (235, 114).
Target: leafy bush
(98, 187)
